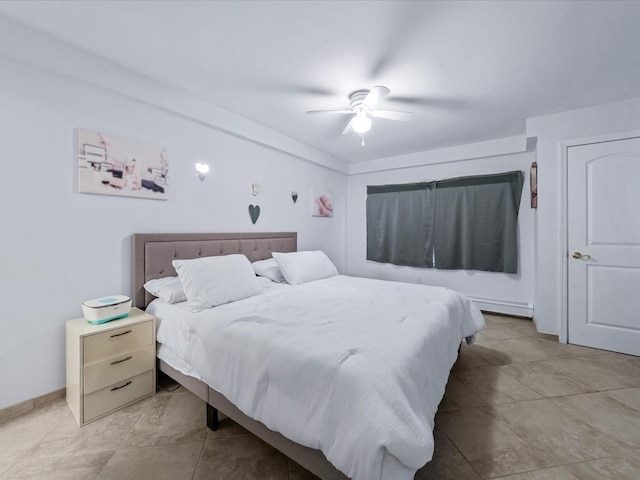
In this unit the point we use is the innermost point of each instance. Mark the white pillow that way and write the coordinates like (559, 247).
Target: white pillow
(212, 281)
(268, 268)
(302, 267)
(167, 289)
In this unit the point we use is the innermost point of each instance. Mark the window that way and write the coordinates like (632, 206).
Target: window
(465, 223)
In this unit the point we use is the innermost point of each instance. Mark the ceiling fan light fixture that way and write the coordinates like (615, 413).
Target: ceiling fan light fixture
(361, 123)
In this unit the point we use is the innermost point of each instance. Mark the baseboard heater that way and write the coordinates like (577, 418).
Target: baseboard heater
(507, 307)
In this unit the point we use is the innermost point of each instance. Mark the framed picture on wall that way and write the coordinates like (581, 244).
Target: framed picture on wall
(321, 203)
(113, 165)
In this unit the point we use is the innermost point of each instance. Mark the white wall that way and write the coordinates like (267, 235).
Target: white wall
(551, 131)
(517, 287)
(60, 247)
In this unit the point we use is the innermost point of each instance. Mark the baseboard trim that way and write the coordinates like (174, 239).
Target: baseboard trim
(506, 307)
(13, 411)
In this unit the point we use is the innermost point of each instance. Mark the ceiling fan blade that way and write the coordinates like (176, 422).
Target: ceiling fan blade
(349, 128)
(314, 112)
(375, 95)
(448, 103)
(392, 115)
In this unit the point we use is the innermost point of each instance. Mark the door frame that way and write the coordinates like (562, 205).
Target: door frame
(563, 254)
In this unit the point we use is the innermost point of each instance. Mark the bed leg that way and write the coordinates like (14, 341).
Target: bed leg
(212, 418)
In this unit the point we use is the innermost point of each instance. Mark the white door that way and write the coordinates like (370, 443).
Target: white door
(604, 245)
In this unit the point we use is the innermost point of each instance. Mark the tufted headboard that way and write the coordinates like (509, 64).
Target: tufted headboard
(154, 252)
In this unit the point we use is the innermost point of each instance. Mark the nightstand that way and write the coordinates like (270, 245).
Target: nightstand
(109, 365)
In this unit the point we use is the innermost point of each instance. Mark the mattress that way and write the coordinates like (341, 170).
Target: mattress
(353, 367)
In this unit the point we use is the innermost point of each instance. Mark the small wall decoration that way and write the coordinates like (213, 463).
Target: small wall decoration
(294, 196)
(534, 185)
(254, 213)
(321, 203)
(255, 189)
(202, 170)
(113, 165)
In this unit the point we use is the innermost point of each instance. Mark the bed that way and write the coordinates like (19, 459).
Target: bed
(346, 410)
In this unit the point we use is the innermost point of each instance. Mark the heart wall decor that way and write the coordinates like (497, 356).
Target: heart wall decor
(254, 213)
(294, 196)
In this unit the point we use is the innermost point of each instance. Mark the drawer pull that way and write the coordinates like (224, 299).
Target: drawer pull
(121, 386)
(120, 334)
(123, 360)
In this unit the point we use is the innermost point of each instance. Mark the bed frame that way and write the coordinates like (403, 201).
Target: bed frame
(152, 257)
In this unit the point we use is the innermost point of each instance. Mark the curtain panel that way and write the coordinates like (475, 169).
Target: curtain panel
(400, 221)
(477, 222)
(466, 223)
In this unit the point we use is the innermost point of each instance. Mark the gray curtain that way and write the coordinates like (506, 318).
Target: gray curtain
(476, 222)
(400, 220)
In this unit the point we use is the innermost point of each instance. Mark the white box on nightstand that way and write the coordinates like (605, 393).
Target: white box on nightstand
(109, 365)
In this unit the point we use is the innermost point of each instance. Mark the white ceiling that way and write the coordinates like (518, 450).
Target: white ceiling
(471, 71)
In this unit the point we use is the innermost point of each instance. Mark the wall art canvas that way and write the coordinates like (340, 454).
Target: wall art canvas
(322, 203)
(113, 165)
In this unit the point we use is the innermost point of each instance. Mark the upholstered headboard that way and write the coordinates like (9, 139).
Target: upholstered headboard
(154, 252)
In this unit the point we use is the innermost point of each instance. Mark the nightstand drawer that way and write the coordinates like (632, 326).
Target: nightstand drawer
(109, 365)
(113, 342)
(116, 395)
(99, 375)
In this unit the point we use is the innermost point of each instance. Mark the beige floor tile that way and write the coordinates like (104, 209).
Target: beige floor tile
(525, 436)
(494, 318)
(63, 467)
(491, 353)
(102, 435)
(518, 350)
(528, 328)
(500, 331)
(245, 457)
(458, 395)
(227, 428)
(620, 363)
(468, 359)
(157, 462)
(447, 462)
(618, 468)
(296, 472)
(628, 396)
(598, 372)
(494, 386)
(631, 360)
(565, 438)
(488, 442)
(177, 418)
(554, 473)
(605, 414)
(580, 351)
(19, 434)
(447, 466)
(524, 327)
(543, 379)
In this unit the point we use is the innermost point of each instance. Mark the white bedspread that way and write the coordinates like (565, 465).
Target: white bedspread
(353, 367)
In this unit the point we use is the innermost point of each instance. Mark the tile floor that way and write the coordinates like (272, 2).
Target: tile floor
(518, 406)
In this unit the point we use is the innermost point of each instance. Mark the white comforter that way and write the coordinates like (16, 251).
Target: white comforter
(353, 367)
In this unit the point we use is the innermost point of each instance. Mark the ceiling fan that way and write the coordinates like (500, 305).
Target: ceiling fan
(363, 105)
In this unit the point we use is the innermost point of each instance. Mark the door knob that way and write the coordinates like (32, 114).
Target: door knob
(578, 255)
